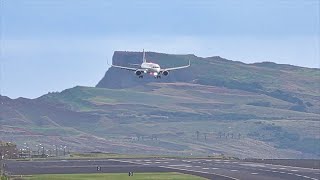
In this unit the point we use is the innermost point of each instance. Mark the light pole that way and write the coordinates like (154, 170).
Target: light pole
(56, 150)
(64, 150)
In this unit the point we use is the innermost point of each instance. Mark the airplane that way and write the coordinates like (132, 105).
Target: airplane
(150, 68)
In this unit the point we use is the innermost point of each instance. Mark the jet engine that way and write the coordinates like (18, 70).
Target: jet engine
(165, 73)
(138, 73)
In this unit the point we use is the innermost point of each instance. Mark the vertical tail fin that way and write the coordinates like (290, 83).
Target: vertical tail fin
(144, 57)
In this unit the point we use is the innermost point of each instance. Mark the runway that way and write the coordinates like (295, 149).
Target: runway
(207, 168)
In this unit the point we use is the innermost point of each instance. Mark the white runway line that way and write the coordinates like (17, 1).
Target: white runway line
(254, 173)
(234, 170)
(202, 172)
(205, 168)
(214, 168)
(177, 165)
(294, 170)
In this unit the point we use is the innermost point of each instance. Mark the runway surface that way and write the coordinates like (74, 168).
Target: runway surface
(208, 168)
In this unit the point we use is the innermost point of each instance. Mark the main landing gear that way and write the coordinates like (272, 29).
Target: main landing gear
(141, 77)
(157, 77)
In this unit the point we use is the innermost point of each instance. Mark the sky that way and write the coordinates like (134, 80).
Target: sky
(51, 45)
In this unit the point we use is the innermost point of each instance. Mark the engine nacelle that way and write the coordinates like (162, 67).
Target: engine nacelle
(165, 73)
(138, 73)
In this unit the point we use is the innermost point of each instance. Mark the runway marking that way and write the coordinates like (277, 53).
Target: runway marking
(282, 168)
(214, 168)
(254, 173)
(157, 162)
(208, 160)
(294, 170)
(174, 165)
(234, 170)
(314, 178)
(202, 172)
(306, 177)
(165, 162)
(205, 168)
(291, 166)
(253, 165)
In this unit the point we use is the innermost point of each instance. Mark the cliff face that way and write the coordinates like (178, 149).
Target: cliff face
(297, 85)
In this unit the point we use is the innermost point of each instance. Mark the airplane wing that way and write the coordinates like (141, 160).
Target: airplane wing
(123, 67)
(175, 68)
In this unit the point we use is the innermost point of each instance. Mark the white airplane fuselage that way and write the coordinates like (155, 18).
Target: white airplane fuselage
(152, 68)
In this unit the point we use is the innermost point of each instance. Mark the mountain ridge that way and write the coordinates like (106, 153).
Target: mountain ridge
(215, 106)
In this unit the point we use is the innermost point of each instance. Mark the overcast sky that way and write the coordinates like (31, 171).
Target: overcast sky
(51, 45)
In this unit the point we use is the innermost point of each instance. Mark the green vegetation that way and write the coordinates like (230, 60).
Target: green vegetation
(4, 178)
(115, 176)
(98, 155)
(215, 107)
(108, 155)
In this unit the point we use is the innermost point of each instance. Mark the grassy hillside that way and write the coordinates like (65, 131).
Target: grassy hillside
(215, 107)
